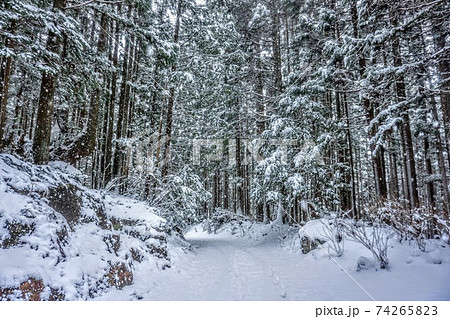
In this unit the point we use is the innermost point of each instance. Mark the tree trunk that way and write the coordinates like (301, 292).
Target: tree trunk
(170, 102)
(380, 180)
(354, 206)
(240, 206)
(260, 109)
(225, 189)
(119, 149)
(5, 73)
(393, 174)
(276, 46)
(440, 34)
(405, 127)
(44, 117)
(85, 144)
(112, 102)
(441, 161)
(429, 170)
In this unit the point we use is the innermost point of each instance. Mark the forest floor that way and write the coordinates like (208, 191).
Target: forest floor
(260, 266)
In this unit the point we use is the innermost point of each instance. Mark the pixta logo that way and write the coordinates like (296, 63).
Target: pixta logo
(213, 149)
(145, 152)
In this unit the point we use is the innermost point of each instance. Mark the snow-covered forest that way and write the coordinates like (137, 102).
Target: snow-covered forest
(252, 150)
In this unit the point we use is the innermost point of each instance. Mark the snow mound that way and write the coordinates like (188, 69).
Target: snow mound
(62, 241)
(311, 235)
(314, 230)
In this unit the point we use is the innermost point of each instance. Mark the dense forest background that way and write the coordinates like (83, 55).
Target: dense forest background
(316, 105)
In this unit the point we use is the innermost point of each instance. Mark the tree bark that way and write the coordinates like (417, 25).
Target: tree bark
(225, 189)
(429, 170)
(380, 180)
(400, 88)
(119, 149)
(240, 178)
(276, 46)
(84, 145)
(108, 151)
(5, 73)
(171, 100)
(44, 117)
(441, 161)
(440, 34)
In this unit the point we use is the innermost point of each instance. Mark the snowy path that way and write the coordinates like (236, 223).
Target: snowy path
(240, 269)
(230, 268)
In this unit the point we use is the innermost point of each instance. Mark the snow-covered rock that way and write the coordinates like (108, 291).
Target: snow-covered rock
(365, 263)
(312, 235)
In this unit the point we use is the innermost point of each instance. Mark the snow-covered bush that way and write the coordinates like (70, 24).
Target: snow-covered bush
(375, 238)
(271, 175)
(334, 231)
(414, 226)
(181, 199)
(222, 218)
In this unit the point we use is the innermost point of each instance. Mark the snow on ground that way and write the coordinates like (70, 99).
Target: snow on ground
(259, 266)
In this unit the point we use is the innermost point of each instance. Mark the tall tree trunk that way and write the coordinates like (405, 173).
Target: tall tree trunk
(429, 170)
(226, 189)
(240, 177)
(5, 73)
(287, 44)
(132, 93)
(44, 117)
(380, 180)
(108, 152)
(119, 149)
(345, 152)
(260, 109)
(440, 34)
(215, 190)
(441, 161)
(171, 100)
(85, 144)
(393, 173)
(276, 46)
(354, 206)
(406, 129)
(128, 95)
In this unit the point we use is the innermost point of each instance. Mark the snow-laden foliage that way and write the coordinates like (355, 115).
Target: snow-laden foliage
(222, 220)
(417, 226)
(181, 199)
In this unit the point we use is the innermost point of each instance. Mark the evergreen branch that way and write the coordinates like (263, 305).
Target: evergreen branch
(91, 1)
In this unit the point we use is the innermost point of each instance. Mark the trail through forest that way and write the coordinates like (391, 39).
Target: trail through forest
(226, 267)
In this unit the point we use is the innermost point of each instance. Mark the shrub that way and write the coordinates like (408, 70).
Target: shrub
(376, 239)
(335, 233)
(221, 218)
